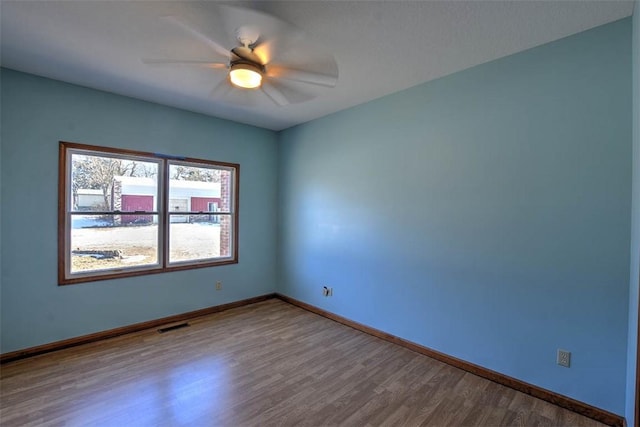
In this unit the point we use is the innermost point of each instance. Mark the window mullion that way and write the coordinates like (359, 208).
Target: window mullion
(165, 213)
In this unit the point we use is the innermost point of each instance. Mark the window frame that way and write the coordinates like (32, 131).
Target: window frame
(163, 264)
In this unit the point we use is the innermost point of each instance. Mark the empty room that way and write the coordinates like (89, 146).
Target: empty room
(321, 213)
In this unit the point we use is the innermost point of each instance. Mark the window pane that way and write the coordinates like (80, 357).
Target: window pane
(198, 189)
(202, 238)
(101, 183)
(100, 242)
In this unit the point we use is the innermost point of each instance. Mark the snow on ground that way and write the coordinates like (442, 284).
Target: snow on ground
(194, 240)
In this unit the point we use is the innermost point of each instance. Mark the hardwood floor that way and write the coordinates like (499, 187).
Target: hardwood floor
(269, 363)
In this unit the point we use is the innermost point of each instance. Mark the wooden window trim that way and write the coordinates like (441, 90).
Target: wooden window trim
(163, 217)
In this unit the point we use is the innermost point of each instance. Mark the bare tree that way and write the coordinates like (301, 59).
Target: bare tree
(190, 173)
(98, 173)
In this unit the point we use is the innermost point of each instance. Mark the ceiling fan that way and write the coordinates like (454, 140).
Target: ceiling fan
(260, 56)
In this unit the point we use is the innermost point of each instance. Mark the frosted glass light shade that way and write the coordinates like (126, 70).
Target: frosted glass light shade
(245, 75)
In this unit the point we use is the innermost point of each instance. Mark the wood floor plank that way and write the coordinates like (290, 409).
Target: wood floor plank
(267, 364)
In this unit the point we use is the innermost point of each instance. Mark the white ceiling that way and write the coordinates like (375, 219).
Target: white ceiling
(380, 47)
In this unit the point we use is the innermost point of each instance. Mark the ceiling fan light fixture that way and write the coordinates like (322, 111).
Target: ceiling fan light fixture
(245, 75)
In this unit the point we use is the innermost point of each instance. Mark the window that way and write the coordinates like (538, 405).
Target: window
(125, 213)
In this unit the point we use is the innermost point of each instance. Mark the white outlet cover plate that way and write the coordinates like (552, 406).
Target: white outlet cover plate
(564, 358)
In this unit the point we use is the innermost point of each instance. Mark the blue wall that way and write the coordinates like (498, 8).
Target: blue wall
(485, 214)
(36, 114)
(634, 284)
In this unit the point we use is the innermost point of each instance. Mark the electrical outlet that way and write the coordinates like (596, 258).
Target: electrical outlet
(327, 291)
(564, 358)
(218, 286)
(330, 294)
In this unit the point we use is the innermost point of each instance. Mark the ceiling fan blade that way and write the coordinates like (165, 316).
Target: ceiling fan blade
(206, 64)
(224, 92)
(217, 47)
(319, 79)
(270, 47)
(222, 89)
(267, 50)
(274, 94)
